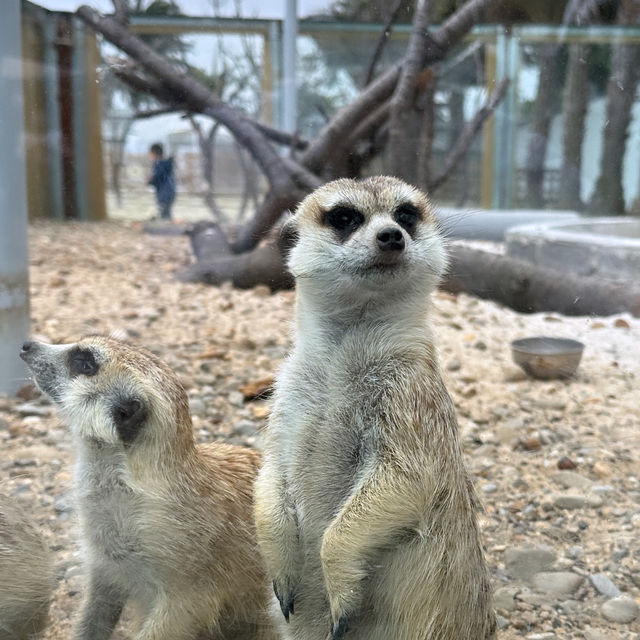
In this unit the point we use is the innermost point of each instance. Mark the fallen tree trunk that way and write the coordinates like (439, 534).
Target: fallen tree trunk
(528, 288)
(216, 263)
(517, 284)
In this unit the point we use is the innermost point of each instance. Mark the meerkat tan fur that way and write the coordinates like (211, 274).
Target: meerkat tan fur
(26, 574)
(365, 514)
(166, 523)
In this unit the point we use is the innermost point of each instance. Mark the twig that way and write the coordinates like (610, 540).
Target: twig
(468, 134)
(383, 38)
(152, 113)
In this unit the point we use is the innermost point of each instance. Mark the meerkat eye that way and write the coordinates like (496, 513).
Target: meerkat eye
(345, 220)
(407, 216)
(82, 362)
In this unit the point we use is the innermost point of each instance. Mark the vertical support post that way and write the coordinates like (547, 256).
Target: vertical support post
(289, 111)
(488, 131)
(79, 115)
(275, 62)
(14, 265)
(505, 121)
(52, 100)
(267, 80)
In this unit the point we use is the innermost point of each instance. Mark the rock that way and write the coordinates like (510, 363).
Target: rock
(63, 504)
(197, 406)
(523, 562)
(541, 636)
(623, 609)
(601, 469)
(504, 598)
(594, 634)
(533, 598)
(557, 583)
(258, 388)
(509, 431)
(236, 399)
(575, 552)
(261, 411)
(603, 585)
(602, 488)
(531, 443)
(27, 392)
(244, 428)
(489, 487)
(571, 501)
(454, 365)
(566, 463)
(30, 409)
(550, 403)
(501, 622)
(572, 480)
(513, 374)
(621, 323)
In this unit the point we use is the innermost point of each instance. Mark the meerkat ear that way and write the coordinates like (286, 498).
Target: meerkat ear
(288, 236)
(129, 415)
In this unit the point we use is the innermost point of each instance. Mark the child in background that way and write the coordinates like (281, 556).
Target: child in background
(163, 181)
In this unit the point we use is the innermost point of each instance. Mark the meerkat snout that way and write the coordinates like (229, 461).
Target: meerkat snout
(390, 239)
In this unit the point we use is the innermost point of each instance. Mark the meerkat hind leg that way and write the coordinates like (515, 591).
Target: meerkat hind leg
(277, 523)
(101, 610)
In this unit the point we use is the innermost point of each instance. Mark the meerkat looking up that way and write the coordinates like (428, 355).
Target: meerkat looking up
(365, 514)
(165, 522)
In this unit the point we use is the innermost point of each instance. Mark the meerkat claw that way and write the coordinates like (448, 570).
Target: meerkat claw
(285, 606)
(339, 629)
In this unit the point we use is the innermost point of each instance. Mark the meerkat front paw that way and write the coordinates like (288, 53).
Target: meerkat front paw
(284, 591)
(339, 628)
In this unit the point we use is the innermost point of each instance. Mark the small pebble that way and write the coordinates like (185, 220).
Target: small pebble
(603, 585)
(622, 609)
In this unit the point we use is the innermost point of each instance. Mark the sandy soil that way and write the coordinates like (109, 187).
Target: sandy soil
(516, 431)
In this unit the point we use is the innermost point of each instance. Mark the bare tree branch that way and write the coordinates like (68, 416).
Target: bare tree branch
(383, 38)
(468, 134)
(402, 102)
(152, 113)
(332, 137)
(130, 75)
(197, 97)
(121, 11)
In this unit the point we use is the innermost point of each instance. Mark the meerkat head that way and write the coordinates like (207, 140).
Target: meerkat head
(365, 238)
(111, 392)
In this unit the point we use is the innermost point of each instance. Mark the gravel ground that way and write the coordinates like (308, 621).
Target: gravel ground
(556, 462)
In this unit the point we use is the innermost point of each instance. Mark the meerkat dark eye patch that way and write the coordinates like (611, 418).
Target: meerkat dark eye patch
(129, 416)
(407, 216)
(82, 362)
(344, 220)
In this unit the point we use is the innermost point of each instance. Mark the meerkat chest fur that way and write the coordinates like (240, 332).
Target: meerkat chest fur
(109, 507)
(337, 394)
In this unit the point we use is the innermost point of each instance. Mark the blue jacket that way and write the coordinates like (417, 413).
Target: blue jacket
(162, 179)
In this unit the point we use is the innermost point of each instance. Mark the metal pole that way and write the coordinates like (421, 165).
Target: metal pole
(290, 33)
(52, 100)
(79, 100)
(14, 265)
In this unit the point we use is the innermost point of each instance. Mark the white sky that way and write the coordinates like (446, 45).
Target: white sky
(250, 8)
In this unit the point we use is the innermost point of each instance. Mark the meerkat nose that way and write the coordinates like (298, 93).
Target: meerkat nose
(27, 348)
(390, 239)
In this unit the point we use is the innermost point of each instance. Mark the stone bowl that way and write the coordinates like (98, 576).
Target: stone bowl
(544, 358)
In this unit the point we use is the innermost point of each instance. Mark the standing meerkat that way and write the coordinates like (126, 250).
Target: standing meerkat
(165, 522)
(26, 574)
(365, 514)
